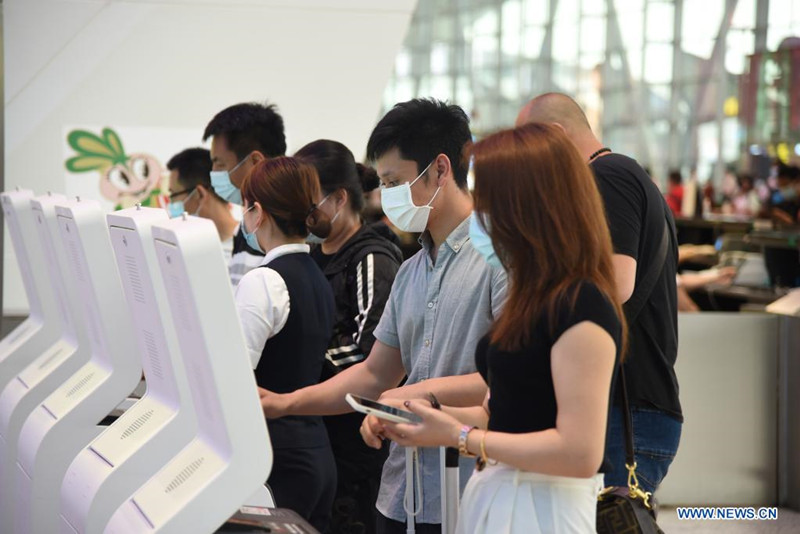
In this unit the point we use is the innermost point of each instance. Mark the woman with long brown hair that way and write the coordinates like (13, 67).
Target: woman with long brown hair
(550, 358)
(286, 307)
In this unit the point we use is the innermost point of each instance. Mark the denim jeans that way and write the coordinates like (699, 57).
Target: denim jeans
(655, 441)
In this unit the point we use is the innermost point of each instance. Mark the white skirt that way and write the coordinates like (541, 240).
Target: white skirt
(504, 500)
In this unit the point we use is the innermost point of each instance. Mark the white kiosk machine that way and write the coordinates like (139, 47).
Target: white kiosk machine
(231, 456)
(152, 432)
(42, 328)
(39, 379)
(67, 420)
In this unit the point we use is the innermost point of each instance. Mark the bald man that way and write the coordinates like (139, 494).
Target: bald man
(637, 218)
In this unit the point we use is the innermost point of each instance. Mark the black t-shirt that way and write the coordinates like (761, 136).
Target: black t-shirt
(321, 259)
(523, 397)
(636, 213)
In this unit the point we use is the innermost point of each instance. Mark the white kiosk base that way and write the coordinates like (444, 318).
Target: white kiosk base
(45, 374)
(152, 431)
(67, 420)
(231, 456)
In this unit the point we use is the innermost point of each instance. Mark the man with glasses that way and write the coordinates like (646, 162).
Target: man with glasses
(443, 300)
(191, 192)
(241, 136)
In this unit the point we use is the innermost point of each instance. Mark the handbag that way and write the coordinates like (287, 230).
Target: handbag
(631, 510)
(628, 510)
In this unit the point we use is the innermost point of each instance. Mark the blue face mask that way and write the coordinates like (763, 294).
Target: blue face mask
(250, 237)
(221, 182)
(482, 242)
(177, 207)
(312, 239)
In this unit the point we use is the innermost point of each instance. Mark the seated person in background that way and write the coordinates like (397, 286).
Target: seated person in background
(785, 201)
(550, 357)
(241, 136)
(360, 265)
(190, 191)
(746, 201)
(287, 311)
(689, 281)
(674, 194)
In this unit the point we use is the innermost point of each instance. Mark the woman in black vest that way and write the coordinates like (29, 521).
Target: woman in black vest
(286, 307)
(360, 262)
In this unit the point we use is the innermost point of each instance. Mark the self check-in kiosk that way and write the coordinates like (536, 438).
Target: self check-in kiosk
(42, 328)
(39, 379)
(66, 421)
(231, 457)
(157, 427)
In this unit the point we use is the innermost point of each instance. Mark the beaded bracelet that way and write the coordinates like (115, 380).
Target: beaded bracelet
(462, 440)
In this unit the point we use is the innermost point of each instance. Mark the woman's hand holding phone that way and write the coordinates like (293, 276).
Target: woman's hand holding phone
(372, 429)
(436, 429)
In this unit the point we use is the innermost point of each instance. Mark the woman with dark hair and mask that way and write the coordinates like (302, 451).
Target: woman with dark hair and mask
(360, 263)
(286, 307)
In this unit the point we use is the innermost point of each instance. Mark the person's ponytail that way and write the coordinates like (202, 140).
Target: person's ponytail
(368, 177)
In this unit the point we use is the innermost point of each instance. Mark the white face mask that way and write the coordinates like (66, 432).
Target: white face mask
(400, 208)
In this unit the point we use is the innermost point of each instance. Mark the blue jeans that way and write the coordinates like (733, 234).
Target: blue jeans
(655, 441)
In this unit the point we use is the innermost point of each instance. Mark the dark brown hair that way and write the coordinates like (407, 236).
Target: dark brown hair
(337, 169)
(547, 225)
(287, 188)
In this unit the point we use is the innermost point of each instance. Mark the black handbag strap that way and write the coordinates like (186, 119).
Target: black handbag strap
(644, 289)
(633, 307)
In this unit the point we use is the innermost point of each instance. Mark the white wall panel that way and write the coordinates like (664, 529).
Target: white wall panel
(172, 64)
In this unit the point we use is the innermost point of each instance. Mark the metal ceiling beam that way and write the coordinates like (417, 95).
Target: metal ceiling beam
(716, 61)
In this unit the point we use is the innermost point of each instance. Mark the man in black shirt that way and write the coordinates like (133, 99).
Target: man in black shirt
(636, 214)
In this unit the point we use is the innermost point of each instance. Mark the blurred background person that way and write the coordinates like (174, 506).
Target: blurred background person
(785, 199)
(674, 194)
(746, 201)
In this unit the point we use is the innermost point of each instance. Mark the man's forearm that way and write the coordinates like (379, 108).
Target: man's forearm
(327, 398)
(461, 390)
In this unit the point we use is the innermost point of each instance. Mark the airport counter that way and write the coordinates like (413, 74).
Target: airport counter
(739, 375)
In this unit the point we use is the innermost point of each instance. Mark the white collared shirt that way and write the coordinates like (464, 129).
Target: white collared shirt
(262, 301)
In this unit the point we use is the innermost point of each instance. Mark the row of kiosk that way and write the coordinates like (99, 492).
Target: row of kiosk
(113, 296)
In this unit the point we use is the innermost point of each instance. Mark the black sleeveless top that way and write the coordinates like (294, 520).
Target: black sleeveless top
(521, 383)
(293, 358)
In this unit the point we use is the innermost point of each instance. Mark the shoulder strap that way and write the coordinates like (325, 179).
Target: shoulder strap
(644, 288)
(633, 307)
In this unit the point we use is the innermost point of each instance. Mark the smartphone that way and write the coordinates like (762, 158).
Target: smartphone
(382, 411)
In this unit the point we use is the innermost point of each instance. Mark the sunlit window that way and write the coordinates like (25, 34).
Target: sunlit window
(645, 71)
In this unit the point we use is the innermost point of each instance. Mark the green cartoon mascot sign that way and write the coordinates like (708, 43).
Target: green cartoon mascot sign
(125, 180)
